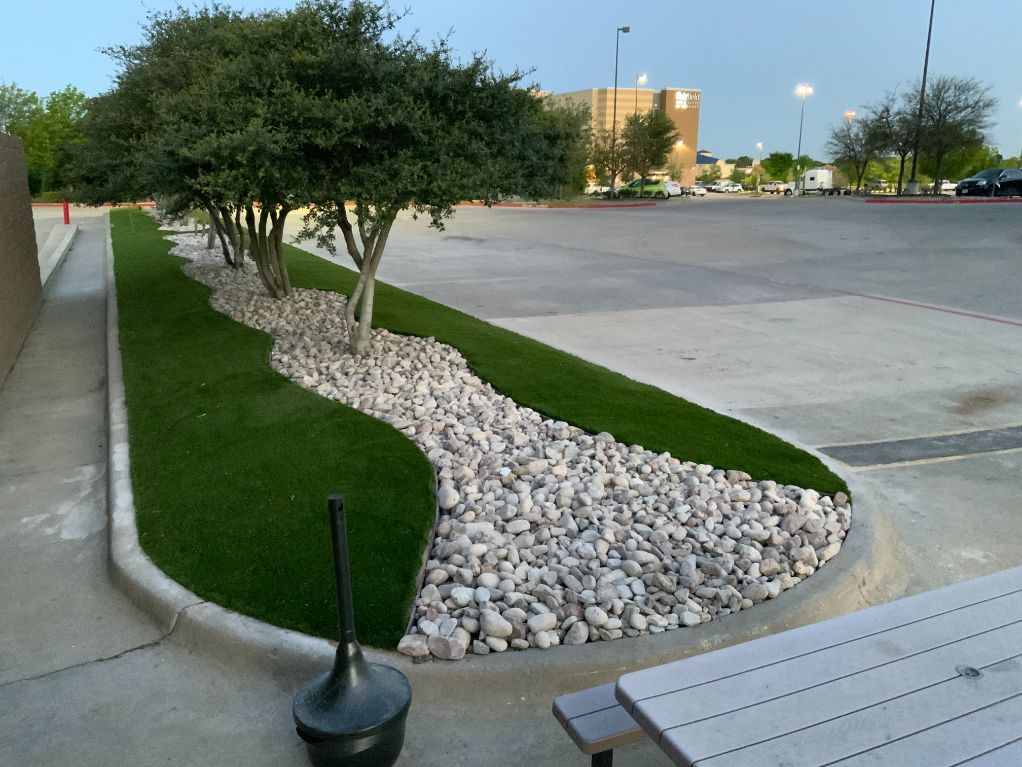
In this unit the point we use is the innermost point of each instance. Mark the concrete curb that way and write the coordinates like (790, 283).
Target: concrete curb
(547, 206)
(63, 237)
(844, 584)
(945, 201)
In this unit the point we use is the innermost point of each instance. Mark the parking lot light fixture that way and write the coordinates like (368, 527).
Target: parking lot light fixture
(639, 80)
(613, 117)
(759, 165)
(802, 91)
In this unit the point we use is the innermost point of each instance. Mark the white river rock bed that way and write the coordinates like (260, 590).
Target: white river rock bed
(547, 535)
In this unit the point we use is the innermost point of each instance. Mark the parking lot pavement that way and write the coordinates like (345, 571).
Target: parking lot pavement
(825, 320)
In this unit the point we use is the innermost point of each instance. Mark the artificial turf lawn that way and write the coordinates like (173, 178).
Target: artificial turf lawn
(231, 463)
(570, 389)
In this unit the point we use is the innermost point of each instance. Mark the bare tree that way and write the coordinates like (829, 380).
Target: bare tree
(896, 121)
(956, 116)
(856, 142)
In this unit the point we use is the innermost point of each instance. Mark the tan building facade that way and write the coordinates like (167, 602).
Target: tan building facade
(680, 104)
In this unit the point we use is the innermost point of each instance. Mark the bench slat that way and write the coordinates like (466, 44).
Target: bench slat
(954, 743)
(595, 720)
(817, 706)
(849, 735)
(884, 651)
(717, 664)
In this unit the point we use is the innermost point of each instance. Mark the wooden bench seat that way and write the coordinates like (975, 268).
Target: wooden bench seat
(933, 680)
(596, 722)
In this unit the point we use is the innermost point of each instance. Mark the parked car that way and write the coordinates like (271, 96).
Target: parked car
(992, 182)
(596, 189)
(946, 187)
(695, 191)
(776, 187)
(673, 188)
(725, 187)
(645, 188)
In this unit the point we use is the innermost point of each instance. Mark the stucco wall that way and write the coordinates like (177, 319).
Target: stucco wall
(20, 291)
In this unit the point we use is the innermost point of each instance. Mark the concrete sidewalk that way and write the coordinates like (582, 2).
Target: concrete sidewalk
(86, 678)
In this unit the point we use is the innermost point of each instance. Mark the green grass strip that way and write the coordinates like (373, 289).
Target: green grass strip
(231, 463)
(570, 389)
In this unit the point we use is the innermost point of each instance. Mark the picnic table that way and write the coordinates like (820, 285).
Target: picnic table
(931, 680)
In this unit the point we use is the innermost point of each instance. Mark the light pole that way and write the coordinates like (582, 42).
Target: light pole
(613, 118)
(640, 80)
(759, 165)
(1020, 152)
(801, 90)
(912, 187)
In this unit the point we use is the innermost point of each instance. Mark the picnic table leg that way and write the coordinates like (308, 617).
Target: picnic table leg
(603, 759)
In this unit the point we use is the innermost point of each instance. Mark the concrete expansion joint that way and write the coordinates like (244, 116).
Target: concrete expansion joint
(84, 664)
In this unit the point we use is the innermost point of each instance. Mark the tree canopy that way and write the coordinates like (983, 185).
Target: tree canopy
(252, 116)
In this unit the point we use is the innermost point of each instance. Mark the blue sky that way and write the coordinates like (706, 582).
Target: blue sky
(746, 57)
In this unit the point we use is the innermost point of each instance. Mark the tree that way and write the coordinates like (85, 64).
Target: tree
(778, 165)
(712, 173)
(17, 106)
(744, 161)
(856, 142)
(47, 132)
(606, 154)
(648, 139)
(956, 115)
(896, 122)
(422, 132)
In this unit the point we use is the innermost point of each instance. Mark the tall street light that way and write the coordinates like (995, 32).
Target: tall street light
(759, 165)
(613, 118)
(1020, 152)
(801, 90)
(912, 187)
(640, 80)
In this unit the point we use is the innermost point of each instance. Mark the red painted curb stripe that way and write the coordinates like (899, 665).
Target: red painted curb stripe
(939, 201)
(931, 307)
(557, 207)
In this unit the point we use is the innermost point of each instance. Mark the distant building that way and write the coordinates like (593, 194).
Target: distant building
(680, 104)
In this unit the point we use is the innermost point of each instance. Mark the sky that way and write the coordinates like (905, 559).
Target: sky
(746, 57)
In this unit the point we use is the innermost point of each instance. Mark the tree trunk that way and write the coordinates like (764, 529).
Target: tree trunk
(938, 170)
(365, 315)
(349, 235)
(901, 171)
(233, 232)
(264, 252)
(217, 224)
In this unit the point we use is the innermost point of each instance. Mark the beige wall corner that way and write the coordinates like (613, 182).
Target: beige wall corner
(20, 289)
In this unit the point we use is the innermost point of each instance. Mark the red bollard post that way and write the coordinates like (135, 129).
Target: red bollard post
(67, 214)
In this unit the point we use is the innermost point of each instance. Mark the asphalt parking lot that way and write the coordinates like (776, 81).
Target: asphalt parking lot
(886, 337)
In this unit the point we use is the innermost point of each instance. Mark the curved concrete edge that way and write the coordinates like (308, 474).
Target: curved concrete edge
(58, 254)
(848, 582)
(159, 596)
(192, 621)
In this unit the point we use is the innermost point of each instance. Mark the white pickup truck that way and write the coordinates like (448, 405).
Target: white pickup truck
(776, 187)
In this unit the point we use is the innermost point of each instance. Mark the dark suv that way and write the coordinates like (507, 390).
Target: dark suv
(992, 182)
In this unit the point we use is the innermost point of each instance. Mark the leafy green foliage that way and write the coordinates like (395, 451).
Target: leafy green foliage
(48, 128)
(647, 140)
(17, 106)
(778, 165)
